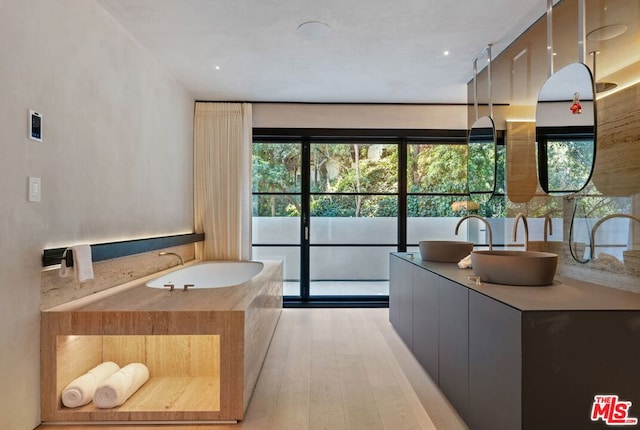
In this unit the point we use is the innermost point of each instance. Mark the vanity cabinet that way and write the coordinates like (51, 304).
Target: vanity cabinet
(510, 357)
(425, 320)
(437, 334)
(495, 384)
(400, 300)
(453, 344)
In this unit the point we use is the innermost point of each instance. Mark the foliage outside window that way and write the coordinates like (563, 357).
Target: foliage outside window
(277, 170)
(354, 179)
(360, 179)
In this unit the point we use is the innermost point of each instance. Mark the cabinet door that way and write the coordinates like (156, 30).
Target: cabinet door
(395, 268)
(401, 298)
(453, 336)
(495, 365)
(425, 320)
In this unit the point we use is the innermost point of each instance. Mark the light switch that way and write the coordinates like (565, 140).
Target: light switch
(35, 189)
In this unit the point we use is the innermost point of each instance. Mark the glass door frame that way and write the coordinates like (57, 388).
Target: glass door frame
(351, 299)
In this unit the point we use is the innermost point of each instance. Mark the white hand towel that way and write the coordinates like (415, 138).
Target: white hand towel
(82, 265)
(121, 385)
(465, 263)
(80, 391)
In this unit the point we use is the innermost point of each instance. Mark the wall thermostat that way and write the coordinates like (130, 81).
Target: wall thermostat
(35, 126)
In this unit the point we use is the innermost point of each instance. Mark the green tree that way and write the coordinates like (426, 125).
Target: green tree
(351, 169)
(276, 169)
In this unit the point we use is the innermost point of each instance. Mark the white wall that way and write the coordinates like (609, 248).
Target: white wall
(116, 161)
(558, 114)
(283, 115)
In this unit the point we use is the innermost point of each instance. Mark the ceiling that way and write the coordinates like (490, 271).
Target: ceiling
(375, 51)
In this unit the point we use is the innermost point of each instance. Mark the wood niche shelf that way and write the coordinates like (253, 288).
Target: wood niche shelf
(184, 369)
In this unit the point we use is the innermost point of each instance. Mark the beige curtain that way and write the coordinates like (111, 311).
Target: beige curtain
(222, 180)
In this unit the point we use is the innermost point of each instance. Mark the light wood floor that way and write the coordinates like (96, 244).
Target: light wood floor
(337, 369)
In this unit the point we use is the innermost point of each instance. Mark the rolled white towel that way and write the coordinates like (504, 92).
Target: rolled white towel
(121, 385)
(465, 263)
(80, 391)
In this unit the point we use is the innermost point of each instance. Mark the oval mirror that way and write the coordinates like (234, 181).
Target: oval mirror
(565, 130)
(481, 160)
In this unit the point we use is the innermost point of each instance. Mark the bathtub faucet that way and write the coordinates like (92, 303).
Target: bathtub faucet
(173, 253)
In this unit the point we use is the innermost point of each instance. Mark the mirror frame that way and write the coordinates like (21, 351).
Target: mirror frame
(481, 129)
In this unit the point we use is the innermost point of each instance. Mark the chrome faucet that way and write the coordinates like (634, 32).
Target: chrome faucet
(484, 220)
(173, 253)
(522, 217)
(600, 221)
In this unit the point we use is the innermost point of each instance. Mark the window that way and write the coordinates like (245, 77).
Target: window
(333, 204)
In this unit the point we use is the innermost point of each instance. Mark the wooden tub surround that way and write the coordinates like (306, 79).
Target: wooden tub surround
(204, 348)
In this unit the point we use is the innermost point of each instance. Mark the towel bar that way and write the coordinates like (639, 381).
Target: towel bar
(107, 251)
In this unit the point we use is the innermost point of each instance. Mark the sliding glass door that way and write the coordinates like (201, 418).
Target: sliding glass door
(353, 224)
(277, 207)
(332, 207)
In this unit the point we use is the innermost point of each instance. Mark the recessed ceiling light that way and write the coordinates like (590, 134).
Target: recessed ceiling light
(313, 30)
(217, 67)
(607, 32)
(446, 53)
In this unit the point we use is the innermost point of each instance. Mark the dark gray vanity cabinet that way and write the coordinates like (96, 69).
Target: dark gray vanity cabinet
(456, 335)
(425, 319)
(401, 299)
(518, 358)
(395, 285)
(439, 333)
(495, 358)
(453, 344)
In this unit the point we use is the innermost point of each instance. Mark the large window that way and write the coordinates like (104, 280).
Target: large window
(333, 207)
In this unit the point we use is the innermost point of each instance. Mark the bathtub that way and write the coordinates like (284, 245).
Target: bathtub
(210, 343)
(209, 274)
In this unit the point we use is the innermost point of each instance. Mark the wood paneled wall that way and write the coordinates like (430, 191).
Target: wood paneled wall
(617, 167)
